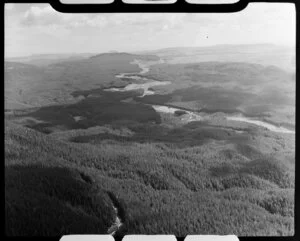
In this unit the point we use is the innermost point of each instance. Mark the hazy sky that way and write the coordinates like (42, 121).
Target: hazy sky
(37, 28)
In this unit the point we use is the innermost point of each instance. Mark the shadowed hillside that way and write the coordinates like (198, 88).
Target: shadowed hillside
(52, 201)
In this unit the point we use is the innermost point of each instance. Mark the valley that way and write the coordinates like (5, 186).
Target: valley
(125, 143)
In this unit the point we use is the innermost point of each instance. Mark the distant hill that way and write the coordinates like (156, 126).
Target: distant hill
(43, 60)
(265, 54)
(120, 56)
(47, 59)
(20, 80)
(30, 85)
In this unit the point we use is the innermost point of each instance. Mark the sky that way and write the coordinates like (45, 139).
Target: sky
(39, 29)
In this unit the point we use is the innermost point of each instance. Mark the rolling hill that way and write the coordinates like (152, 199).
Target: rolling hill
(47, 59)
(27, 85)
(161, 187)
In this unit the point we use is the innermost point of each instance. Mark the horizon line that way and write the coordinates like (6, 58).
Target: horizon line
(147, 50)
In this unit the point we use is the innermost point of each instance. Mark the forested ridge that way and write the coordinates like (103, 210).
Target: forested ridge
(162, 189)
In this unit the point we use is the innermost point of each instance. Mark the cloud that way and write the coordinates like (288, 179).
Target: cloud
(41, 16)
(145, 19)
(9, 6)
(46, 16)
(37, 16)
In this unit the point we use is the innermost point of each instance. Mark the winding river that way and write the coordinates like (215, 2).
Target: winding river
(189, 115)
(261, 123)
(145, 84)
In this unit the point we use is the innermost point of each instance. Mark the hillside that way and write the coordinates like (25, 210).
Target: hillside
(40, 184)
(160, 188)
(32, 86)
(253, 89)
(180, 148)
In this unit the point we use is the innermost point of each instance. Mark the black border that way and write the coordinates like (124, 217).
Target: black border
(180, 6)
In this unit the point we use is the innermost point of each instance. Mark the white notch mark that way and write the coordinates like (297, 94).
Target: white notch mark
(212, 1)
(149, 238)
(149, 1)
(101, 237)
(86, 1)
(211, 238)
